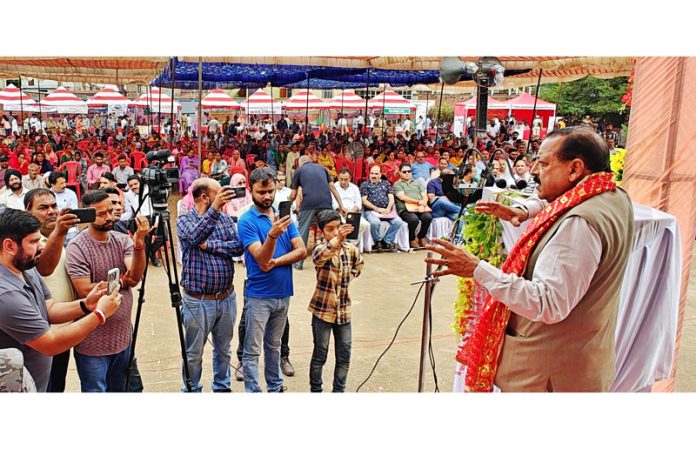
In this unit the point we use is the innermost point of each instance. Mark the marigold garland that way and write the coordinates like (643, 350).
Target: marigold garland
(482, 237)
(617, 163)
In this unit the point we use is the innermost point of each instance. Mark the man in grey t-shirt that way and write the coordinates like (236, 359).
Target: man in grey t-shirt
(26, 307)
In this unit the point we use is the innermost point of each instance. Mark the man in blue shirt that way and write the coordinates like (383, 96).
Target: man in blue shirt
(421, 169)
(209, 241)
(271, 246)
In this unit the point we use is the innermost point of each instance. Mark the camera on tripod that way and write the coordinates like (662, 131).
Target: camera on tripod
(159, 180)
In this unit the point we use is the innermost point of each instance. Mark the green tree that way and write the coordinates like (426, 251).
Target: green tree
(587, 95)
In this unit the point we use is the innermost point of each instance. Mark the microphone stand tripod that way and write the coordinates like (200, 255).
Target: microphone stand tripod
(430, 280)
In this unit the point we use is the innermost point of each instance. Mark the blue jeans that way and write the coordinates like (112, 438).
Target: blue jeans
(99, 374)
(321, 333)
(375, 222)
(265, 320)
(202, 317)
(443, 207)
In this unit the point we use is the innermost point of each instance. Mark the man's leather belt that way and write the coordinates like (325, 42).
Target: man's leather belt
(211, 297)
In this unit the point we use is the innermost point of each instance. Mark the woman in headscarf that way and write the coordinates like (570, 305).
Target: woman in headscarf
(232, 208)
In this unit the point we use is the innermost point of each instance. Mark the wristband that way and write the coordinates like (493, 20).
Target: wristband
(84, 308)
(100, 315)
(274, 238)
(140, 247)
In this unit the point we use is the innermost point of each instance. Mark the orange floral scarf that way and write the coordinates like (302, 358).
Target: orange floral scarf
(480, 350)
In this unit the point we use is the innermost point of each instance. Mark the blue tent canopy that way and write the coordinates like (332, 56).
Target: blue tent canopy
(224, 75)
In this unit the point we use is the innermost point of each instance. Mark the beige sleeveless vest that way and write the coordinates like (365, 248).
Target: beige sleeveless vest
(576, 354)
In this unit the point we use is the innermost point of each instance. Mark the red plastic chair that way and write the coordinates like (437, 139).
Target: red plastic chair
(74, 170)
(250, 161)
(138, 160)
(83, 145)
(239, 170)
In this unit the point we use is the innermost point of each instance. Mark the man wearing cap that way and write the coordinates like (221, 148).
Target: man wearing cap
(12, 196)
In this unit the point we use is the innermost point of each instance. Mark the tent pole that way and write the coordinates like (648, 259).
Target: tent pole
(159, 107)
(200, 107)
(529, 142)
(21, 107)
(439, 110)
(384, 110)
(307, 109)
(367, 95)
(171, 121)
(38, 87)
(272, 114)
(343, 95)
(427, 98)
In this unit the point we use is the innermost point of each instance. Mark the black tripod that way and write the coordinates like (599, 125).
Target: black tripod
(161, 233)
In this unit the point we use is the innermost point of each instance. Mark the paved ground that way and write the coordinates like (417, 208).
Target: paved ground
(381, 298)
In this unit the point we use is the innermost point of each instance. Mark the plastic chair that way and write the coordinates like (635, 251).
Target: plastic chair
(74, 170)
(138, 160)
(239, 170)
(250, 161)
(83, 145)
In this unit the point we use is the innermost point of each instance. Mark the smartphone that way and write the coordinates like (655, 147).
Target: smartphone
(239, 192)
(156, 223)
(112, 280)
(86, 215)
(284, 209)
(353, 219)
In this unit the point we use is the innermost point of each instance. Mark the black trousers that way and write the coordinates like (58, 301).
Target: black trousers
(59, 369)
(412, 219)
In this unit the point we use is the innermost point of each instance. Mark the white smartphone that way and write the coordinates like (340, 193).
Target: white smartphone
(112, 279)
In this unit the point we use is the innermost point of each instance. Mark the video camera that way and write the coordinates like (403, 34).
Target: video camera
(159, 180)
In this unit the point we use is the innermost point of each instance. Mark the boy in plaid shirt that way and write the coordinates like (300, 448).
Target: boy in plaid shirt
(337, 263)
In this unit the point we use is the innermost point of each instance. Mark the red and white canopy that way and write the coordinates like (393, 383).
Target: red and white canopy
(392, 102)
(11, 95)
(107, 96)
(158, 101)
(305, 99)
(492, 104)
(218, 99)
(62, 97)
(260, 102)
(347, 101)
(526, 101)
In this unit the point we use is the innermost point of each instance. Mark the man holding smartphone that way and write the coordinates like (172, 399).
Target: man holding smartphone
(102, 357)
(271, 246)
(209, 240)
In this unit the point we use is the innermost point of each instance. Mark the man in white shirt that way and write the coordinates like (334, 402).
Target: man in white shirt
(351, 200)
(32, 180)
(65, 198)
(282, 191)
(407, 126)
(12, 195)
(561, 285)
(132, 200)
(419, 126)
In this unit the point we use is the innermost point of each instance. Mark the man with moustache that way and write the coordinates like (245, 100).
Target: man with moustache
(548, 323)
(13, 195)
(119, 225)
(55, 225)
(27, 307)
(271, 246)
(102, 358)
